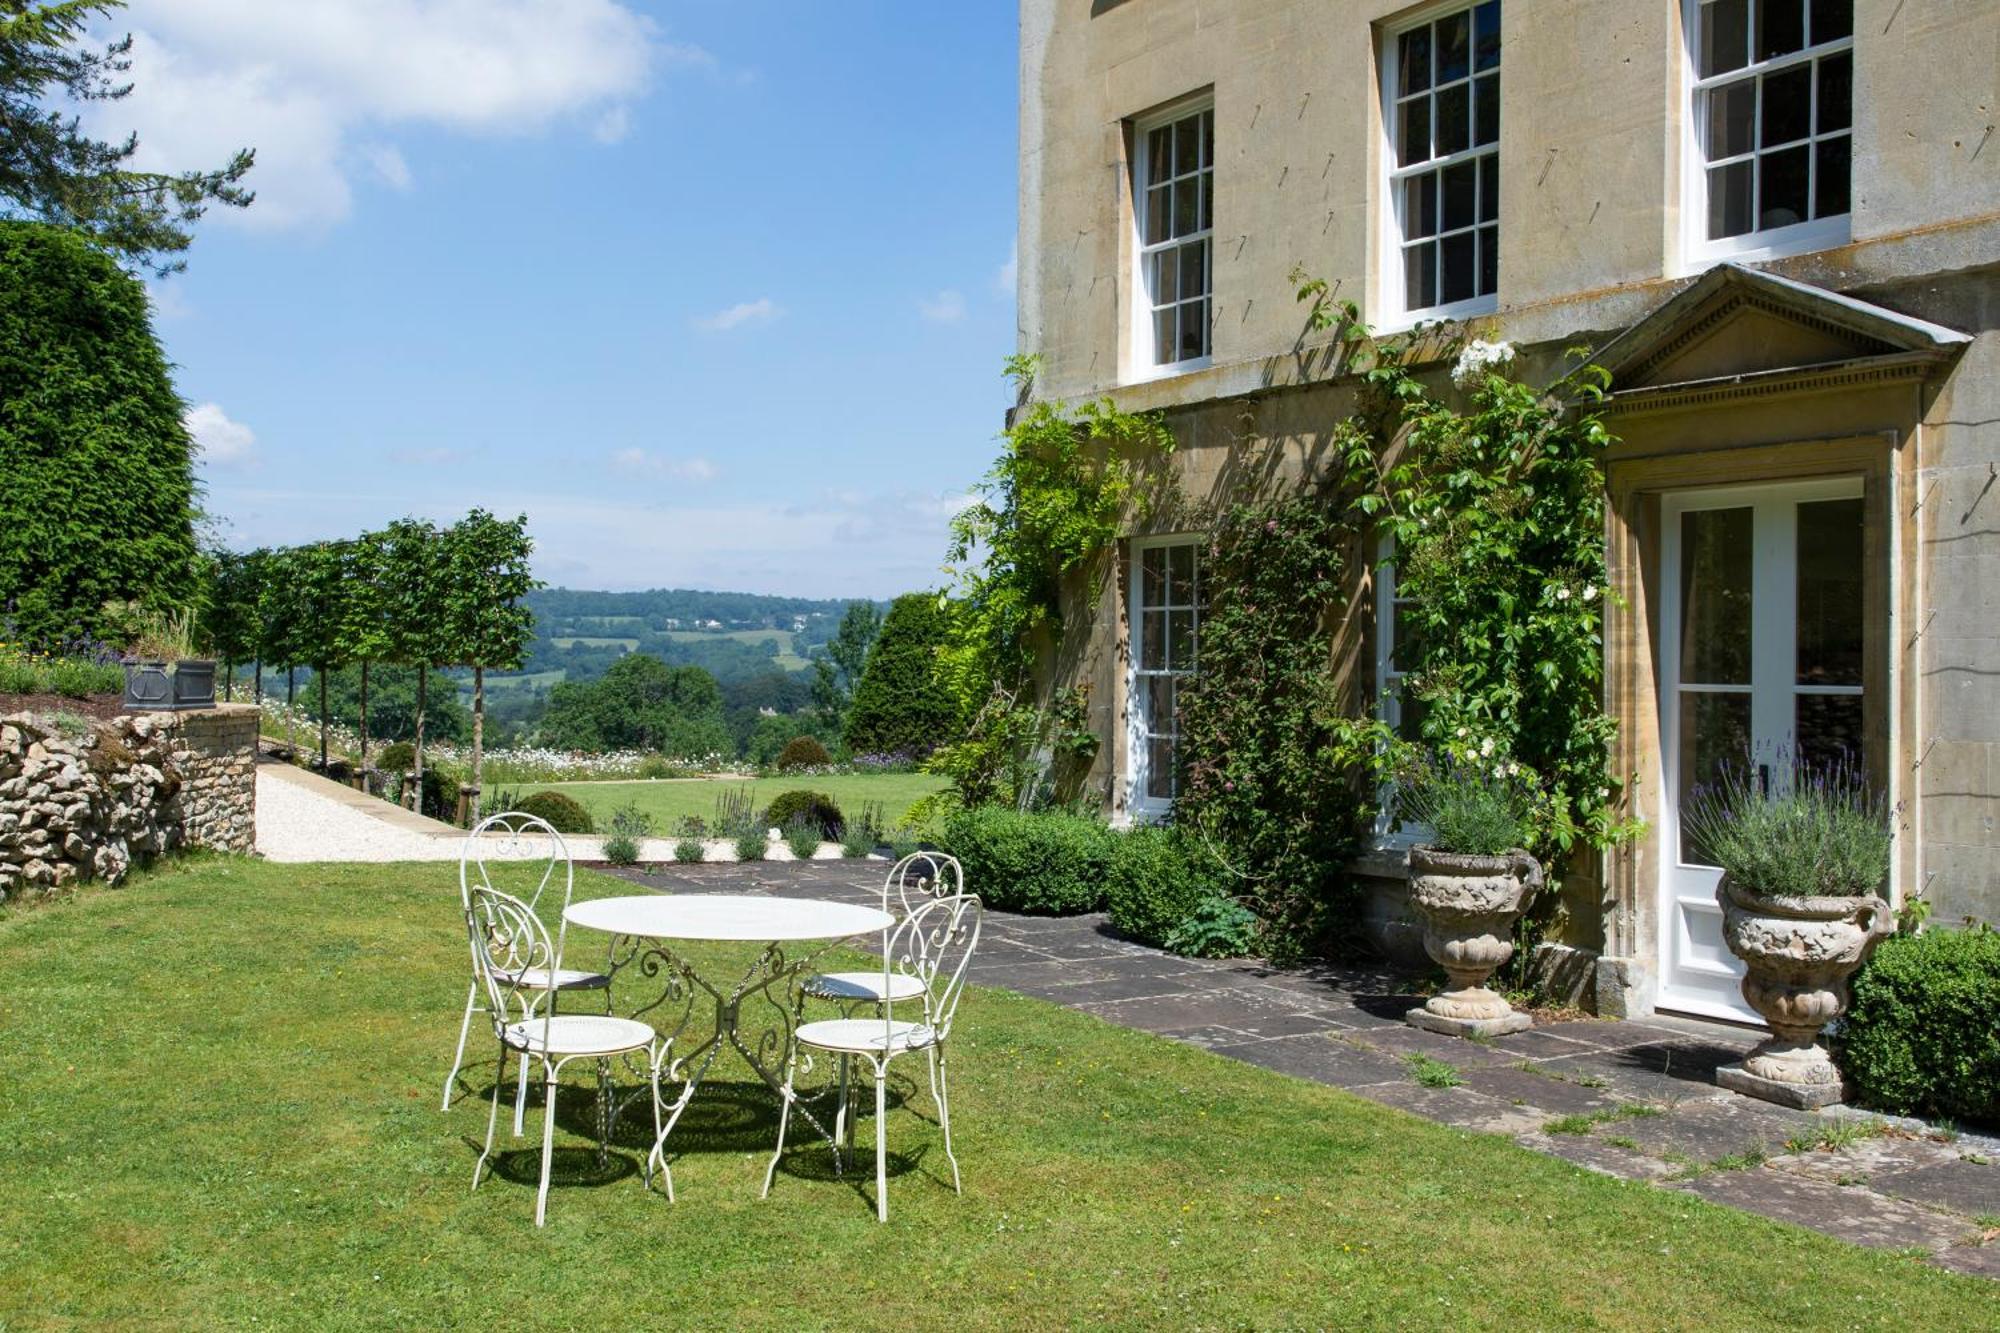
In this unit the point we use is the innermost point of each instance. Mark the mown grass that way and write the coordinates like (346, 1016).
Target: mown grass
(222, 1110)
(669, 799)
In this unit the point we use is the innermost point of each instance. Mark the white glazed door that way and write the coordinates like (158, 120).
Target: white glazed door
(1761, 660)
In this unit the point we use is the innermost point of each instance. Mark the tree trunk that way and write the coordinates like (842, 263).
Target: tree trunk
(228, 681)
(320, 671)
(364, 717)
(478, 735)
(291, 730)
(423, 695)
(260, 681)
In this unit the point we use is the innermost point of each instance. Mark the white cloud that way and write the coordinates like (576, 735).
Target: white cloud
(742, 313)
(317, 86)
(219, 439)
(1006, 279)
(947, 307)
(679, 469)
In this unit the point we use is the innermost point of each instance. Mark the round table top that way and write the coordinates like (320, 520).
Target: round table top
(727, 916)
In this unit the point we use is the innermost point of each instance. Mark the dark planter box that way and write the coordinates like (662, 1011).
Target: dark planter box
(194, 684)
(148, 688)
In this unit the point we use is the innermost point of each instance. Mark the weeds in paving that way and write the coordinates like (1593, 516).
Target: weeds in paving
(1976, 1158)
(1850, 1180)
(1432, 1073)
(1584, 1124)
(1620, 1141)
(1746, 1160)
(1833, 1135)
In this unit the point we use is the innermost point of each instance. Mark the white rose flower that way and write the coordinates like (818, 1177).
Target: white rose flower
(1461, 733)
(1486, 747)
(1562, 594)
(1478, 360)
(1590, 592)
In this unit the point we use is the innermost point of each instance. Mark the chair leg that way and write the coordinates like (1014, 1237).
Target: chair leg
(521, 1102)
(492, 1117)
(942, 1091)
(464, 1029)
(881, 1142)
(843, 1120)
(658, 1054)
(784, 1120)
(548, 1138)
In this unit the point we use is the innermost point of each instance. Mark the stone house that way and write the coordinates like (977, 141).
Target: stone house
(1778, 224)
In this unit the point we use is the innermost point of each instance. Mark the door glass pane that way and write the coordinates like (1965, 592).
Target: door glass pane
(1829, 592)
(1829, 731)
(1715, 734)
(1716, 549)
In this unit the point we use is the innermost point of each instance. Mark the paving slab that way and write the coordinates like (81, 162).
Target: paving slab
(1963, 1187)
(1455, 1051)
(1851, 1214)
(1460, 1106)
(1322, 1059)
(1550, 1097)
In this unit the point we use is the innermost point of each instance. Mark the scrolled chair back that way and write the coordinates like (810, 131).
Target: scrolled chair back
(527, 845)
(508, 942)
(920, 877)
(934, 943)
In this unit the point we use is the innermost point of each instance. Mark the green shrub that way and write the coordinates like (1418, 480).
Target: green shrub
(903, 703)
(1047, 864)
(689, 850)
(751, 846)
(816, 806)
(1218, 927)
(1157, 879)
(628, 825)
(621, 850)
(735, 814)
(440, 795)
(396, 757)
(802, 752)
(802, 835)
(1471, 809)
(1827, 833)
(658, 766)
(1921, 1037)
(864, 832)
(561, 812)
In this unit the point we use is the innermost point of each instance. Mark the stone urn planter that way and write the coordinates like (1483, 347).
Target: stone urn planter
(1469, 905)
(1800, 953)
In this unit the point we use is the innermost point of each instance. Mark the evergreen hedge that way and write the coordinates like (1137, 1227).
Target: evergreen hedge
(1045, 864)
(97, 488)
(1922, 1036)
(903, 704)
(1156, 882)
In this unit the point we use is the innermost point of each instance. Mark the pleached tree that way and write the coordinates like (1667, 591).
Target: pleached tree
(413, 602)
(487, 574)
(366, 629)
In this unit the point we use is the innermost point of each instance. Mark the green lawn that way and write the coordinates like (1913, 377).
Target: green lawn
(221, 1109)
(668, 799)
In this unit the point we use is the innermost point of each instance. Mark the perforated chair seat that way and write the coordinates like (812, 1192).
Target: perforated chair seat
(579, 1034)
(567, 978)
(863, 986)
(866, 1036)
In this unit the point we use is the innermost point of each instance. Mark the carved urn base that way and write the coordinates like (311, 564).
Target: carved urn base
(1469, 905)
(1799, 953)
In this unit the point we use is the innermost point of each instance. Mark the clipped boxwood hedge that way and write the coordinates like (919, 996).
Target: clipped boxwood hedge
(1923, 1034)
(1049, 865)
(1156, 882)
(813, 805)
(563, 814)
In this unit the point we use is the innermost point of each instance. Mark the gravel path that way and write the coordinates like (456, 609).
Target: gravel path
(296, 823)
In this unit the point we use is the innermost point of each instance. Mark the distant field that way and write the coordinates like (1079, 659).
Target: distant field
(787, 660)
(527, 681)
(669, 799)
(590, 641)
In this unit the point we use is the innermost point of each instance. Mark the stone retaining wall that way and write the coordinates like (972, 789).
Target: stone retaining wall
(81, 802)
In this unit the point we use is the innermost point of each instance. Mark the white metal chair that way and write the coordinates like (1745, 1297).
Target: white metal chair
(510, 944)
(916, 879)
(525, 841)
(931, 946)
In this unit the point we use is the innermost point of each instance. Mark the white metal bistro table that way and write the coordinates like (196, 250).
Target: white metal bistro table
(793, 932)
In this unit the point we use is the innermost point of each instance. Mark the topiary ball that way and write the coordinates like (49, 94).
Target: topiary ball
(803, 752)
(396, 757)
(815, 806)
(561, 812)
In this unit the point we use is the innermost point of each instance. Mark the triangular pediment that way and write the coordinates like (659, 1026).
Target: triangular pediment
(1734, 322)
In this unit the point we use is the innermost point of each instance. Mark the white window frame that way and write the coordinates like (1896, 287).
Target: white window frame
(1138, 750)
(1396, 310)
(1144, 366)
(1388, 702)
(1798, 238)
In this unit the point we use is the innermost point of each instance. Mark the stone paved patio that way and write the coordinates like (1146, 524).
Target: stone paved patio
(1632, 1099)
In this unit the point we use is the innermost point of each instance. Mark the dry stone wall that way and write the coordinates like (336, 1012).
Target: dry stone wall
(82, 802)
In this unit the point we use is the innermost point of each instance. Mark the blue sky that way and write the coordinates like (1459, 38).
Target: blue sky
(715, 291)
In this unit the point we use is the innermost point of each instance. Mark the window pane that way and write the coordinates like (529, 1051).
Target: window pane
(1413, 61)
(1489, 188)
(1729, 200)
(1157, 201)
(1160, 770)
(1781, 187)
(1208, 137)
(1832, 20)
(1732, 119)
(1781, 27)
(1152, 576)
(1836, 93)
(1152, 640)
(1830, 185)
(1180, 640)
(1192, 262)
(1166, 278)
(1420, 276)
(1787, 106)
(1454, 46)
(1461, 194)
(1725, 38)
(1415, 143)
(1187, 207)
(1486, 36)
(1828, 728)
(1489, 260)
(1829, 593)
(1459, 269)
(1194, 330)
(1187, 146)
(1454, 119)
(1716, 551)
(1165, 336)
(1486, 111)
(1420, 217)
(1159, 159)
(1715, 734)
(1402, 642)
(1180, 575)
(1207, 200)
